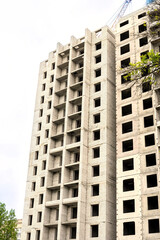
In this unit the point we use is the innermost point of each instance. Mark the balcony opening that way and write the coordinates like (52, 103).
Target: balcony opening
(95, 190)
(96, 152)
(126, 93)
(126, 110)
(153, 226)
(124, 36)
(128, 228)
(94, 231)
(128, 164)
(124, 23)
(128, 185)
(125, 79)
(142, 27)
(152, 181)
(152, 202)
(74, 212)
(98, 46)
(125, 63)
(127, 145)
(150, 160)
(149, 140)
(95, 171)
(95, 210)
(128, 206)
(76, 157)
(76, 175)
(146, 86)
(79, 108)
(147, 103)
(73, 232)
(127, 127)
(141, 15)
(143, 41)
(125, 49)
(96, 135)
(148, 121)
(75, 192)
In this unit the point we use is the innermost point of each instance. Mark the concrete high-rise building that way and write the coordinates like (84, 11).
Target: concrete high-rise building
(83, 100)
(70, 191)
(138, 133)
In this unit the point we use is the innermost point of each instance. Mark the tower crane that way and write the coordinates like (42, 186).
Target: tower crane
(120, 12)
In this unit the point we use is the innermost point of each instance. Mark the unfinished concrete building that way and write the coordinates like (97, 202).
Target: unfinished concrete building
(70, 191)
(138, 134)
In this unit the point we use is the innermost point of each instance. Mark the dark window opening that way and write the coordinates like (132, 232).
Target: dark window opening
(46, 133)
(73, 232)
(52, 78)
(76, 157)
(94, 231)
(146, 86)
(42, 99)
(150, 160)
(97, 118)
(124, 23)
(49, 104)
(153, 226)
(53, 66)
(57, 214)
(126, 93)
(95, 210)
(147, 103)
(128, 185)
(149, 140)
(128, 206)
(95, 190)
(126, 110)
(33, 186)
(75, 192)
(39, 126)
(40, 112)
(125, 63)
(125, 49)
(152, 202)
(128, 228)
(45, 149)
(30, 217)
(28, 236)
(145, 71)
(44, 165)
(125, 78)
(97, 87)
(98, 46)
(36, 155)
(38, 234)
(152, 181)
(97, 102)
(35, 170)
(148, 121)
(98, 72)
(128, 164)
(74, 212)
(50, 91)
(143, 41)
(127, 127)
(96, 135)
(40, 198)
(124, 36)
(142, 27)
(96, 152)
(31, 203)
(43, 87)
(79, 108)
(48, 119)
(95, 171)
(42, 181)
(58, 195)
(45, 75)
(38, 141)
(77, 138)
(127, 145)
(141, 15)
(98, 59)
(39, 217)
(76, 174)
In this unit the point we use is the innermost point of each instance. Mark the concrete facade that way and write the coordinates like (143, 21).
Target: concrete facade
(70, 192)
(138, 215)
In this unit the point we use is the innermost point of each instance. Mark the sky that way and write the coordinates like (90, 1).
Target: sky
(30, 29)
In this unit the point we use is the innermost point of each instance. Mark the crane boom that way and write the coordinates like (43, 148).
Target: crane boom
(121, 12)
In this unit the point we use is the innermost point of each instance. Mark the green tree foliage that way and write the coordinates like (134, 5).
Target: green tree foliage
(8, 223)
(149, 65)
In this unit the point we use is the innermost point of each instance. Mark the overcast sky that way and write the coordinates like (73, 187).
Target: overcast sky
(30, 29)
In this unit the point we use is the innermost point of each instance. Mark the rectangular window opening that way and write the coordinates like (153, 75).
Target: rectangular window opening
(147, 103)
(128, 185)
(152, 181)
(97, 72)
(128, 206)
(125, 79)
(125, 49)
(95, 210)
(127, 145)
(125, 63)
(96, 152)
(95, 170)
(126, 93)
(124, 36)
(128, 228)
(98, 46)
(153, 225)
(98, 59)
(128, 165)
(124, 23)
(152, 202)
(141, 15)
(149, 140)
(95, 190)
(150, 160)
(143, 41)
(142, 27)
(96, 135)
(127, 127)
(146, 86)
(96, 118)
(97, 102)
(148, 121)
